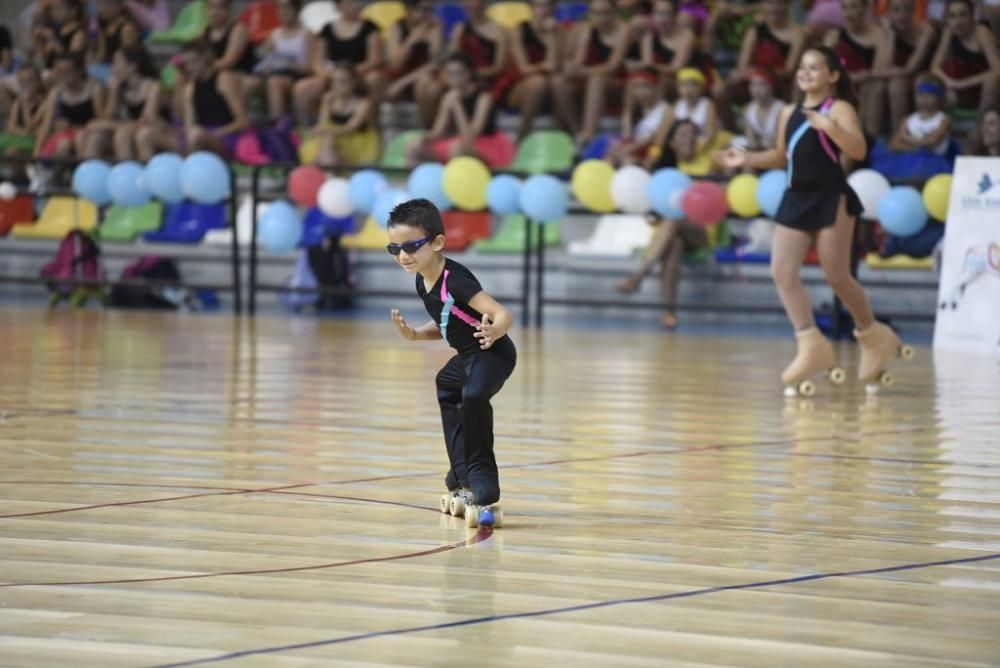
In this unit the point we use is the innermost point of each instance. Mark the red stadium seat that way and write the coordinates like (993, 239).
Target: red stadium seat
(260, 18)
(461, 228)
(14, 211)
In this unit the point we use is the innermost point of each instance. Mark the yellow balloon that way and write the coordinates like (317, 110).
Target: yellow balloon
(309, 150)
(742, 195)
(592, 185)
(465, 181)
(937, 192)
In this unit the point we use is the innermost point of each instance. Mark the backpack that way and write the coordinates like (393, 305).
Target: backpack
(155, 268)
(331, 267)
(77, 260)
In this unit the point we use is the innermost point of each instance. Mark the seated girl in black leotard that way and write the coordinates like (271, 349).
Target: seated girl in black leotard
(117, 30)
(537, 47)
(859, 44)
(345, 131)
(415, 45)
(61, 30)
(906, 53)
(466, 123)
(668, 47)
(214, 114)
(967, 59)
(73, 102)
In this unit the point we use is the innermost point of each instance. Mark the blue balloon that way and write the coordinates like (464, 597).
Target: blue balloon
(427, 181)
(666, 192)
(386, 201)
(504, 195)
(90, 181)
(205, 178)
(124, 186)
(901, 211)
(280, 227)
(364, 187)
(544, 198)
(163, 177)
(770, 190)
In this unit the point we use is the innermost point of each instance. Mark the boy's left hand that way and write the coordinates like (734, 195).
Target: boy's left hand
(487, 333)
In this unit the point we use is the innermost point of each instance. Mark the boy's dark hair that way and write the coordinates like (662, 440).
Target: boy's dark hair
(418, 213)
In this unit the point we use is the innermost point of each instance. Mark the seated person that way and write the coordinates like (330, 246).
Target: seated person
(537, 47)
(907, 53)
(967, 59)
(73, 102)
(922, 145)
(860, 44)
(345, 130)
(287, 58)
(986, 138)
(214, 111)
(641, 118)
(760, 117)
(695, 106)
(415, 46)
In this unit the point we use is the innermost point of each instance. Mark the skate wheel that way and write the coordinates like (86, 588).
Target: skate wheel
(837, 375)
(906, 352)
(885, 379)
(790, 392)
(471, 517)
(806, 388)
(445, 503)
(457, 506)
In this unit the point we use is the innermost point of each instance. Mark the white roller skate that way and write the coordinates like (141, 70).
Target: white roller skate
(879, 344)
(814, 354)
(484, 516)
(458, 501)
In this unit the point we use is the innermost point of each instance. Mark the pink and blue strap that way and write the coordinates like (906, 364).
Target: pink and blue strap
(824, 139)
(449, 308)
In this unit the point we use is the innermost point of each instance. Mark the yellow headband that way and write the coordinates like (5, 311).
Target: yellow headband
(690, 74)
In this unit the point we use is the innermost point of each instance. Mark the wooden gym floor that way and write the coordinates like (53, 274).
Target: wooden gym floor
(198, 490)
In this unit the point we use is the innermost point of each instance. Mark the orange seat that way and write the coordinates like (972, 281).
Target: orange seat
(14, 211)
(461, 228)
(260, 18)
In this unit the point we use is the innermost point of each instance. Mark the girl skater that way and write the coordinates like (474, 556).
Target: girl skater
(476, 326)
(819, 206)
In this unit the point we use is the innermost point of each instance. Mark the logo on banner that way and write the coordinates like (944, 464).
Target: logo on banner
(985, 197)
(980, 260)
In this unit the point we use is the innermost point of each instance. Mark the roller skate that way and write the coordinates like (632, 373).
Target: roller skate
(815, 354)
(879, 344)
(484, 516)
(458, 500)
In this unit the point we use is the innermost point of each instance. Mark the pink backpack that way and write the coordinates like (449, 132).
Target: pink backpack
(77, 259)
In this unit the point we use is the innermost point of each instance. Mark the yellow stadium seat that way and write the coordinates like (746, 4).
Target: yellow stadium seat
(60, 216)
(509, 14)
(371, 236)
(899, 262)
(384, 14)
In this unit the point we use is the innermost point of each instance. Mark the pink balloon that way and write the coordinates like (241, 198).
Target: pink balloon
(304, 184)
(705, 203)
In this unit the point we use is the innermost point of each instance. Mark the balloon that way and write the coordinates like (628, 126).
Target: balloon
(871, 187)
(504, 195)
(465, 182)
(205, 178)
(741, 193)
(937, 193)
(544, 198)
(630, 189)
(770, 191)
(705, 203)
(8, 190)
(666, 191)
(592, 185)
(280, 227)
(90, 181)
(386, 201)
(364, 188)
(123, 184)
(335, 198)
(427, 181)
(303, 185)
(163, 177)
(901, 212)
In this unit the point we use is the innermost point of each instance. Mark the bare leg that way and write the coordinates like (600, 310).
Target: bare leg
(788, 252)
(152, 138)
(670, 276)
(834, 244)
(427, 92)
(662, 236)
(990, 95)
(594, 101)
(375, 83)
(306, 95)
(565, 108)
(529, 96)
(123, 142)
(201, 140)
(279, 89)
(872, 106)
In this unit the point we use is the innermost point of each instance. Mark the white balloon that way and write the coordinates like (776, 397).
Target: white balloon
(334, 198)
(7, 190)
(629, 189)
(871, 187)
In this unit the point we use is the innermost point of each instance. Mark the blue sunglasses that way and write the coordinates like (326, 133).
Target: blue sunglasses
(410, 247)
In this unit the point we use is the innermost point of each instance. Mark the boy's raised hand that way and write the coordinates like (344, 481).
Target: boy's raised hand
(408, 332)
(487, 333)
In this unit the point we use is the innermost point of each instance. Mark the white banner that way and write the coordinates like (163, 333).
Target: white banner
(968, 317)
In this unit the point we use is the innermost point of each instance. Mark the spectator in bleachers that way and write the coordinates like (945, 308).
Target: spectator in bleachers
(350, 38)
(906, 53)
(859, 44)
(8, 85)
(695, 106)
(760, 116)
(986, 139)
(922, 145)
(672, 238)
(214, 107)
(345, 129)
(967, 59)
(668, 47)
(133, 117)
(61, 29)
(415, 46)
(594, 67)
(149, 14)
(25, 118)
(287, 59)
(641, 118)
(537, 47)
(484, 42)
(772, 44)
(466, 123)
(116, 30)
(74, 100)
(231, 43)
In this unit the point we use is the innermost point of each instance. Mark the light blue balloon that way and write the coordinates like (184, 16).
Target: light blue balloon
(504, 195)
(364, 187)
(163, 177)
(386, 201)
(205, 178)
(770, 190)
(427, 181)
(544, 198)
(280, 227)
(666, 192)
(124, 186)
(90, 181)
(901, 211)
